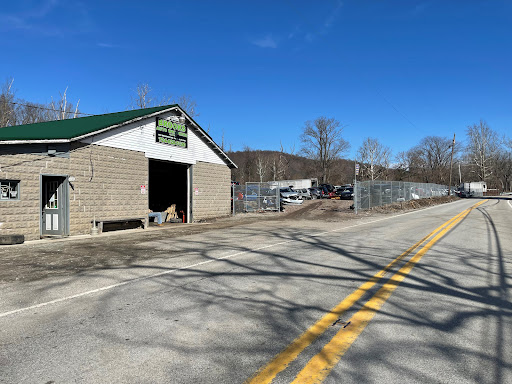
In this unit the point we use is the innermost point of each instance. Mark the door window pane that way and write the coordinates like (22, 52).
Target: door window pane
(52, 194)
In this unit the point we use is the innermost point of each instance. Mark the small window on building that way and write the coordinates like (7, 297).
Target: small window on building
(9, 189)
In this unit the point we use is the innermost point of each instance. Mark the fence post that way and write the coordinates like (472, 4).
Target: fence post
(380, 193)
(355, 196)
(369, 189)
(278, 199)
(259, 196)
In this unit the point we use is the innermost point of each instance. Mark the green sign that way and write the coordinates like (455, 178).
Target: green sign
(171, 133)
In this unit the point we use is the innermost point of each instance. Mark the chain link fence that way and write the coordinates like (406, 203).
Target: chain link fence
(368, 194)
(254, 197)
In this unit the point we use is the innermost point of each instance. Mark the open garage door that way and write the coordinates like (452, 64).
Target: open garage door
(168, 184)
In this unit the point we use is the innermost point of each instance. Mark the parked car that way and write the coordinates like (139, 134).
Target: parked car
(316, 192)
(304, 193)
(324, 192)
(346, 193)
(288, 196)
(330, 187)
(342, 187)
(329, 191)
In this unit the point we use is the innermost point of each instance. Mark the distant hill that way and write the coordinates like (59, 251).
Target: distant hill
(257, 165)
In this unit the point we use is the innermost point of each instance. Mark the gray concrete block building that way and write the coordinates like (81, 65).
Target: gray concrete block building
(59, 177)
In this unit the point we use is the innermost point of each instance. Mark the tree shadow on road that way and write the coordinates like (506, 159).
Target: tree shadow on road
(229, 315)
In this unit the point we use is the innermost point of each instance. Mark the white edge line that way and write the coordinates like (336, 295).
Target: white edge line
(126, 282)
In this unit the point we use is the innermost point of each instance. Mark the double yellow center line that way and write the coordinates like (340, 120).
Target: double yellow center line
(319, 367)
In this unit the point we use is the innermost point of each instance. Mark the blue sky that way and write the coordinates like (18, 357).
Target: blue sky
(393, 70)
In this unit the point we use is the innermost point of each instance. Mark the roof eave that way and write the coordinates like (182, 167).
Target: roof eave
(39, 141)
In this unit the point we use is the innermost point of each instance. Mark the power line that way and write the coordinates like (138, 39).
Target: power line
(396, 109)
(47, 109)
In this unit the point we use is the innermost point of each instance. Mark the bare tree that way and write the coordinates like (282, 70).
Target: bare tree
(283, 163)
(432, 159)
(187, 104)
(273, 168)
(30, 113)
(62, 109)
(7, 106)
(322, 141)
(15, 111)
(248, 166)
(503, 169)
(374, 158)
(261, 166)
(403, 166)
(143, 98)
(482, 149)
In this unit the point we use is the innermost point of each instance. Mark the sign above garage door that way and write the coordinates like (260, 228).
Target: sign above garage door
(171, 133)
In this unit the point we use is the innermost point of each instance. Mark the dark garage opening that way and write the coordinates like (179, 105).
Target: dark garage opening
(167, 186)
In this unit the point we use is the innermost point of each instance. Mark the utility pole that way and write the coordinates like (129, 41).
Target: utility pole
(356, 172)
(451, 162)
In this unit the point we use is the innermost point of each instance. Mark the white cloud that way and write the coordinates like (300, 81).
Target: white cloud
(312, 30)
(13, 22)
(47, 19)
(333, 16)
(266, 42)
(43, 10)
(26, 18)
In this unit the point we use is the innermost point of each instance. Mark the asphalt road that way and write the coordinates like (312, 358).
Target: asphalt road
(257, 302)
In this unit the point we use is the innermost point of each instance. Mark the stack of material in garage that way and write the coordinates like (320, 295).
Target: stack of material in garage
(172, 216)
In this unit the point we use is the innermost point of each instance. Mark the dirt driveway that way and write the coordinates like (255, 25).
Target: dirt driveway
(60, 257)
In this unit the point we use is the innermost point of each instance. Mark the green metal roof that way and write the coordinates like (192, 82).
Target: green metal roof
(71, 128)
(66, 130)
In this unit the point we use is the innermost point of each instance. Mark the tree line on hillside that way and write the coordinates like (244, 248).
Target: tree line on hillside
(261, 166)
(482, 155)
